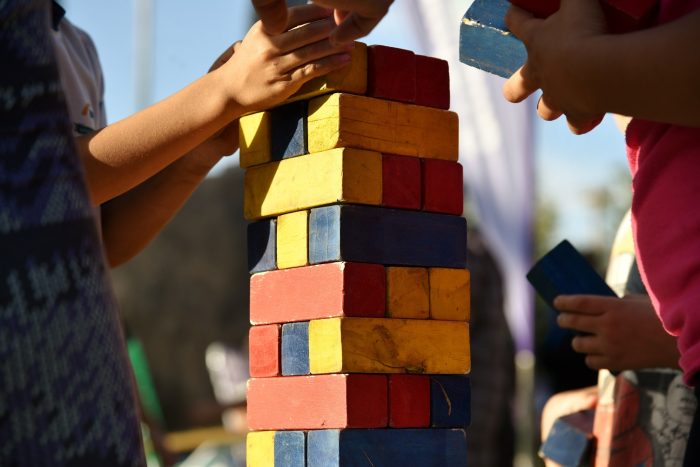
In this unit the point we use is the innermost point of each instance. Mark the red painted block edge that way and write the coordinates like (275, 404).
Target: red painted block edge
(443, 186)
(409, 401)
(391, 73)
(432, 82)
(264, 351)
(401, 182)
(317, 402)
(318, 291)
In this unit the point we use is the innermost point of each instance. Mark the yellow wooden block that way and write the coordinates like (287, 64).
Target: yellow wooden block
(292, 239)
(254, 139)
(407, 293)
(345, 120)
(450, 294)
(339, 175)
(351, 79)
(385, 345)
(260, 449)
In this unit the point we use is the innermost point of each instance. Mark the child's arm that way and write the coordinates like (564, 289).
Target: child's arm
(264, 71)
(355, 18)
(585, 72)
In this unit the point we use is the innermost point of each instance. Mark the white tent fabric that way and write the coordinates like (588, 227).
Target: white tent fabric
(497, 151)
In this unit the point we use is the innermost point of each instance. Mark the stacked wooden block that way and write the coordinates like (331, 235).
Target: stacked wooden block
(359, 294)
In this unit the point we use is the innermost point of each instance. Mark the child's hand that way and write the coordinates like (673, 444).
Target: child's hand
(355, 18)
(625, 333)
(558, 57)
(265, 70)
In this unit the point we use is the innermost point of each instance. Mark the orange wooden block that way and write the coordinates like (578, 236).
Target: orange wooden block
(407, 293)
(264, 351)
(319, 291)
(317, 402)
(450, 294)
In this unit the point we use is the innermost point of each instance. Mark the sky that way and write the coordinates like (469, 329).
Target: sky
(187, 38)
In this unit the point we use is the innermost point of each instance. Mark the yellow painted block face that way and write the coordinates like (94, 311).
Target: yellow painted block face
(260, 449)
(254, 139)
(292, 239)
(407, 294)
(345, 120)
(351, 79)
(339, 175)
(450, 294)
(385, 345)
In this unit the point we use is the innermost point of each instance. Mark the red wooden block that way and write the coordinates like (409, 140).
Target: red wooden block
(264, 351)
(391, 73)
(401, 182)
(432, 82)
(319, 291)
(621, 15)
(409, 401)
(443, 187)
(317, 402)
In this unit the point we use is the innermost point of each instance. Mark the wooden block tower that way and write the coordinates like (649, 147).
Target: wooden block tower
(359, 294)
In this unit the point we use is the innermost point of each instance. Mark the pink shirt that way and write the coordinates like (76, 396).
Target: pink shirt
(665, 164)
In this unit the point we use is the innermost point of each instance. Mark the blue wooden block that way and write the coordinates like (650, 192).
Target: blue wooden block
(485, 42)
(565, 271)
(387, 448)
(570, 439)
(290, 449)
(369, 234)
(262, 246)
(288, 131)
(295, 349)
(450, 401)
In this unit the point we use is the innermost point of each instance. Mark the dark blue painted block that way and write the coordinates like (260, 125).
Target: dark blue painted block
(288, 131)
(387, 448)
(371, 234)
(450, 401)
(262, 246)
(290, 449)
(295, 349)
(570, 439)
(565, 271)
(485, 42)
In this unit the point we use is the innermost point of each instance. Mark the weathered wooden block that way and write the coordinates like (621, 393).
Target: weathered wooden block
(409, 401)
(288, 131)
(293, 240)
(450, 294)
(317, 402)
(485, 42)
(276, 449)
(563, 270)
(254, 139)
(432, 82)
(351, 79)
(338, 175)
(321, 291)
(570, 440)
(387, 448)
(383, 345)
(386, 236)
(262, 245)
(443, 186)
(264, 351)
(344, 120)
(295, 349)
(391, 73)
(401, 182)
(407, 292)
(450, 401)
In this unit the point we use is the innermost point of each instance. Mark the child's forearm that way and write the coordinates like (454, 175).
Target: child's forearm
(651, 74)
(122, 155)
(131, 221)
